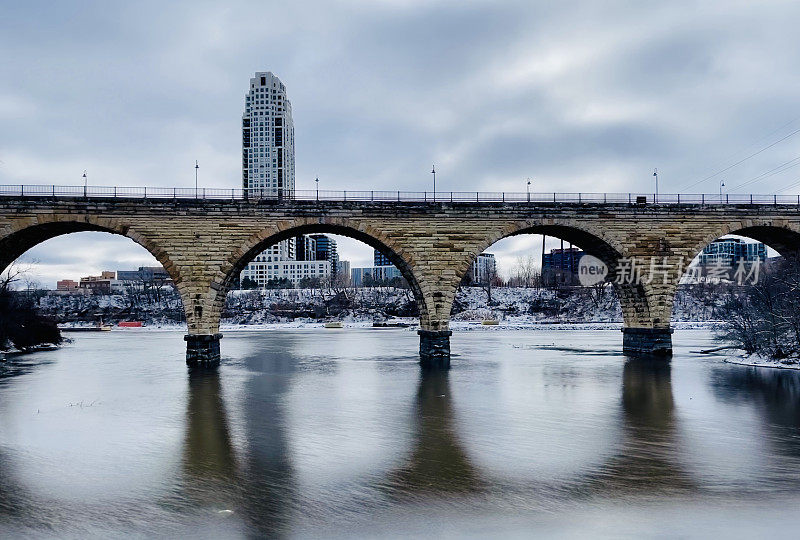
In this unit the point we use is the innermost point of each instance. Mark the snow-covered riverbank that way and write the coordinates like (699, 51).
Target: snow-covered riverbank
(754, 360)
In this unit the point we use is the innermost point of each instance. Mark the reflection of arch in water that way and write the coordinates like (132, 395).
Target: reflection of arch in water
(209, 461)
(775, 393)
(437, 463)
(268, 477)
(648, 458)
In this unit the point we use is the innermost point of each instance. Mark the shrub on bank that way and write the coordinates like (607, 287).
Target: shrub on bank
(21, 327)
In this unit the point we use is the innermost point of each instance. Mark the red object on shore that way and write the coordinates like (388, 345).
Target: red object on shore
(130, 324)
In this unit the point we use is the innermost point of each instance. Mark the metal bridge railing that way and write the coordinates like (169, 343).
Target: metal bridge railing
(120, 192)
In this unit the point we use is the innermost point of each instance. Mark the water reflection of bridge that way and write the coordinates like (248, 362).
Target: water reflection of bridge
(263, 486)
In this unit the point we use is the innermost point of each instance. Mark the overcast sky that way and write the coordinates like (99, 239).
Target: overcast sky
(578, 96)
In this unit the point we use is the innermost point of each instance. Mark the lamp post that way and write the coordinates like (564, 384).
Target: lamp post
(196, 166)
(85, 183)
(317, 181)
(655, 174)
(529, 190)
(433, 172)
(721, 185)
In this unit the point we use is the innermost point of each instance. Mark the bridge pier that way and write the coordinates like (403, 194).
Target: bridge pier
(647, 342)
(434, 348)
(202, 350)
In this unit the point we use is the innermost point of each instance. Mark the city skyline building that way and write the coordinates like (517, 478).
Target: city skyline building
(483, 269)
(560, 266)
(730, 251)
(379, 259)
(326, 250)
(268, 159)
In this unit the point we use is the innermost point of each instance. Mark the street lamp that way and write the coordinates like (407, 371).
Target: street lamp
(85, 183)
(529, 190)
(433, 172)
(317, 181)
(721, 185)
(655, 174)
(196, 166)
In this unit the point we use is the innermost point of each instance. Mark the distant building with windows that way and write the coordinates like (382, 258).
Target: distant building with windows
(105, 283)
(560, 266)
(728, 252)
(305, 248)
(379, 259)
(343, 268)
(268, 152)
(262, 271)
(484, 269)
(145, 274)
(67, 285)
(325, 249)
(360, 277)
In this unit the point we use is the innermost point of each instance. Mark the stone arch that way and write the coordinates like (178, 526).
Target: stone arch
(781, 235)
(19, 237)
(235, 262)
(633, 298)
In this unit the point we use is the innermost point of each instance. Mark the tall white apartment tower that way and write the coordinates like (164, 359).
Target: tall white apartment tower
(268, 150)
(267, 138)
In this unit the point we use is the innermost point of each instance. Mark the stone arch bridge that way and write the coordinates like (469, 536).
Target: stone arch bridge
(204, 244)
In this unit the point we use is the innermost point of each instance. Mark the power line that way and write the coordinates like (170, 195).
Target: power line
(790, 186)
(779, 169)
(729, 167)
(767, 136)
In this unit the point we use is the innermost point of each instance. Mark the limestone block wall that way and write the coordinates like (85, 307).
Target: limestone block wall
(204, 244)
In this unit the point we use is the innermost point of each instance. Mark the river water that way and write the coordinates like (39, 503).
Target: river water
(337, 433)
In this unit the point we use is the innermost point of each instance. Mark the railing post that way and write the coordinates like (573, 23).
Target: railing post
(679, 198)
(145, 192)
(54, 190)
(751, 198)
(345, 194)
(372, 195)
(84, 192)
(579, 198)
(554, 197)
(477, 196)
(232, 195)
(703, 198)
(629, 198)
(451, 197)
(727, 200)
(775, 199)
(398, 196)
(605, 198)
(22, 190)
(504, 196)
(115, 192)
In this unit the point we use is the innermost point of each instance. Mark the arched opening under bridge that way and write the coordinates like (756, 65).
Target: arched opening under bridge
(542, 263)
(294, 256)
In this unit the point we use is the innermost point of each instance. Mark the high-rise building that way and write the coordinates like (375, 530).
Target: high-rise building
(560, 266)
(326, 250)
(373, 275)
(729, 252)
(380, 259)
(268, 155)
(484, 269)
(267, 138)
(305, 248)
